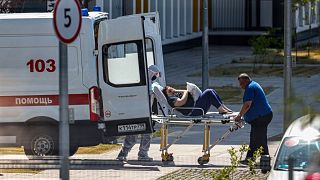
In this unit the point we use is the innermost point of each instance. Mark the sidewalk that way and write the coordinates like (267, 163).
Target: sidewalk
(185, 157)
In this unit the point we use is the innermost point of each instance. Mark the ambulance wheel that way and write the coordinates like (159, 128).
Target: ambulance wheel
(42, 142)
(202, 160)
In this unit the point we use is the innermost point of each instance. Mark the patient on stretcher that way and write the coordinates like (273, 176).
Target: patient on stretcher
(183, 98)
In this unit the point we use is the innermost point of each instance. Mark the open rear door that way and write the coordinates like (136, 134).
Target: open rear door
(123, 76)
(154, 44)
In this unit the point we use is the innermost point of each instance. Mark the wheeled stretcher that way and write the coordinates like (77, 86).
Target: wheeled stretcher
(170, 116)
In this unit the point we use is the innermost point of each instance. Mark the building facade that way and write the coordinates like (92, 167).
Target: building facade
(230, 21)
(182, 19)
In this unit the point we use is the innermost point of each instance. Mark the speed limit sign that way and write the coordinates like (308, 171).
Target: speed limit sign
(67, 20)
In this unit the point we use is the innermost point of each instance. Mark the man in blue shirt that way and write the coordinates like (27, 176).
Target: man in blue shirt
(257, 112)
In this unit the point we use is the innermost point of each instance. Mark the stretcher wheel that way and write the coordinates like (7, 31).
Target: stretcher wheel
(167, 157)
(170, 158)
(203, 159)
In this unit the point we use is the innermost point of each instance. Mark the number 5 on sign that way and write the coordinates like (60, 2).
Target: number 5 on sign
(67, 20)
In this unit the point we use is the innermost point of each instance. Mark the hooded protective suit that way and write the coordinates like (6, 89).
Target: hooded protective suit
(130, 140)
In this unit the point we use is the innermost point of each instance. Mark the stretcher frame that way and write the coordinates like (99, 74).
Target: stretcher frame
(189, 121)
(171, 116)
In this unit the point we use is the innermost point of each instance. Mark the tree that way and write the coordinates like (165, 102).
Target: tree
(11, 6)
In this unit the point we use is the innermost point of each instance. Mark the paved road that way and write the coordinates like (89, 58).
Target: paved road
(178, 66)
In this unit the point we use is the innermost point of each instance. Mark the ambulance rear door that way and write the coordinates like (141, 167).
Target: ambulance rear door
(123, 76)
(154, 44)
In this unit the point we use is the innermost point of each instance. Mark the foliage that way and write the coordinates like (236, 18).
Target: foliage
(252, 161)
(297, 3)
(303, 2)
(18, 6)
(11, 6)
(276, 41)
(227, 172)
(261, 44)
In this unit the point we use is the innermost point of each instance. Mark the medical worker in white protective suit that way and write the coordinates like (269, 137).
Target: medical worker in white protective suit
(130, 140)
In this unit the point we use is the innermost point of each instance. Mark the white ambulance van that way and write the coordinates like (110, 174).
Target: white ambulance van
(108, 80)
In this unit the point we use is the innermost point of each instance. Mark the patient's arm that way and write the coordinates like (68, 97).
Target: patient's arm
(180, 90)
(181, 101)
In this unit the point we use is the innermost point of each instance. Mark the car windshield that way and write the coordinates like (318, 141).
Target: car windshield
(300, 150)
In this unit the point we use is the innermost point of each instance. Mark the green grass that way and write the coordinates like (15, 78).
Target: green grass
(156, 134)
(228, 94)
(30, 171)
(274, 57)
(12, 150)
(260, 71)
(99, 149)
(231, 94)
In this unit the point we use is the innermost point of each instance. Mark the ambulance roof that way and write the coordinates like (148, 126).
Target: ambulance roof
(39, 23)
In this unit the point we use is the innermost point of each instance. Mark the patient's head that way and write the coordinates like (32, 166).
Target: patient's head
(168, 91)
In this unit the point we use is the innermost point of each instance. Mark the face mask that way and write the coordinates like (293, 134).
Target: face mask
(153, 78)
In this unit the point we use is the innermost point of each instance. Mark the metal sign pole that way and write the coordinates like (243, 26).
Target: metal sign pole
(67, 21)
(287, 64)
(64, 111)
(205, 46)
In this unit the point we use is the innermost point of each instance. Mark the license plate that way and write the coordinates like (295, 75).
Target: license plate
(132, 127)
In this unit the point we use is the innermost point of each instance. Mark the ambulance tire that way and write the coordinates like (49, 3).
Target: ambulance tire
(42, 142)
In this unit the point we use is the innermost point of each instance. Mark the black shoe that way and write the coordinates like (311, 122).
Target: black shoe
(145, 158)
(122, 156)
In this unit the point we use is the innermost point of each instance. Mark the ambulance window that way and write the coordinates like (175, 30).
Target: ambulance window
(96, 33)
(122, 64)
(150, 51)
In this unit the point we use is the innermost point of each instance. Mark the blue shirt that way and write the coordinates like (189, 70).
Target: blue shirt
(259, 106)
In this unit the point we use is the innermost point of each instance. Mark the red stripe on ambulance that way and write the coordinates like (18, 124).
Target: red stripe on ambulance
(42, 100)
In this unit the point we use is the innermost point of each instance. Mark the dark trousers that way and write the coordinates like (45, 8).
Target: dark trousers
(208, 98)
(258, 134)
